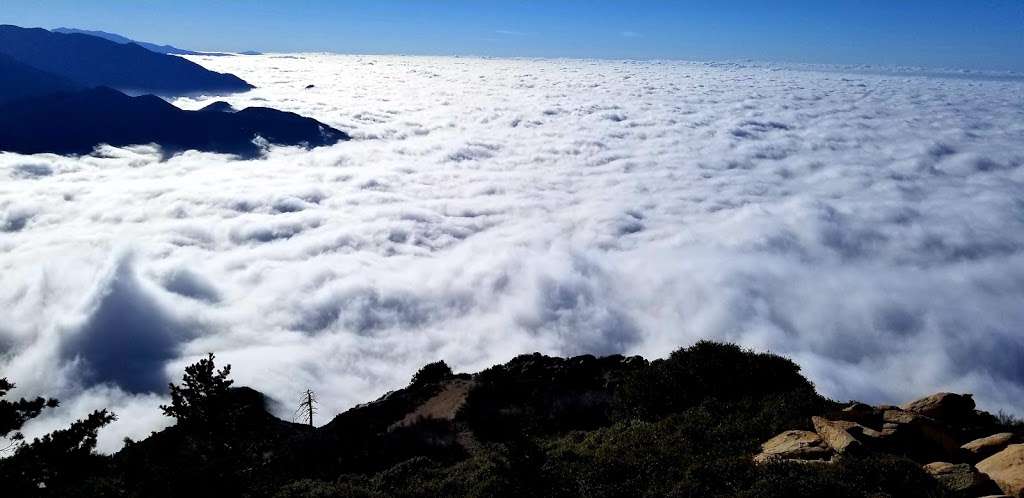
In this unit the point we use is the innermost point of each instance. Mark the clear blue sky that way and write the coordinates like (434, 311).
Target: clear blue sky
(975, 34)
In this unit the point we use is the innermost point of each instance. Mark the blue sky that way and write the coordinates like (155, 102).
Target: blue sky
(975, 34)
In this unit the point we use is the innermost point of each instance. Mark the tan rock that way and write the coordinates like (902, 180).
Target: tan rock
(962, 479)
(919, 437)
(794, 445)
(1006, 468)
(947, 407)
(899, 416)
(858, 412)
(835, 435)
(982, 448)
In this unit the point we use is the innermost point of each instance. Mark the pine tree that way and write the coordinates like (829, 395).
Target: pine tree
(54, 462)
(201, 399)
(14, 414)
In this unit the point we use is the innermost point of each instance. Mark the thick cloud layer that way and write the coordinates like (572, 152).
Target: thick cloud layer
(869, 226)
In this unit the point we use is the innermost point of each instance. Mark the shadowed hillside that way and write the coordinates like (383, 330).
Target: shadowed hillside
(18, 81)
(698, 423)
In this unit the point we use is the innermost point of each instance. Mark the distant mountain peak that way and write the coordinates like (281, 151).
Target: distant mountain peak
(152, 47)
(116, 38)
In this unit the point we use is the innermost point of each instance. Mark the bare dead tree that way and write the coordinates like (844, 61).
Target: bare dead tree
(308, 406)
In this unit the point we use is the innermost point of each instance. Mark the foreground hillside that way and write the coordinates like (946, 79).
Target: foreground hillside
(710, 420)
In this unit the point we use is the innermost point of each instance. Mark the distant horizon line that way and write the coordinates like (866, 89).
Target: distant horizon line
(871, 68)
(865, 68)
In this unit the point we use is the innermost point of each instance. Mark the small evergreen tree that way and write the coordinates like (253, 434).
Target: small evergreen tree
(54, 463)
(202, 398)
(14, 414)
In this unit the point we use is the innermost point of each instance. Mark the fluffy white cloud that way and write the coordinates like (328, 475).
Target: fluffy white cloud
(869, 226)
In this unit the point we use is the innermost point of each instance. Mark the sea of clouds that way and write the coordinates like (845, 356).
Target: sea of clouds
(869, 226)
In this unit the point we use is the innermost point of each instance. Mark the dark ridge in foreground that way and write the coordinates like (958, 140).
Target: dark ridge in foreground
(92, 61)
(711, 420)
(76, 122)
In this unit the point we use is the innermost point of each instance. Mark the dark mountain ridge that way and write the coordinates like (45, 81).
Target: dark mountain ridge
(75, 122)
(57, 96)
(92, 61)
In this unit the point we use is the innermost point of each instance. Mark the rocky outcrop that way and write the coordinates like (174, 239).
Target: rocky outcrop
(946, 407)
(794, 445)
(1006, 468)
(920, 437)
(938, 431)
(837, 434)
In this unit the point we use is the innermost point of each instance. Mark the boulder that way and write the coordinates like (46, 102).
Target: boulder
(836, 435)
(858, 412)
(982, 448)
(947, 407)
(794, 445)
(1006, 468)
(919, 437)
(899, 416)
(961, 479)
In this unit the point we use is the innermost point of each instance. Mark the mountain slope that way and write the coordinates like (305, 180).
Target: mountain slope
(19, 81)
(93, 61)
(116, 38)
(74, 123)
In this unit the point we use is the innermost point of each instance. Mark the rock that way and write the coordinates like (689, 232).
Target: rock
(794, 445)
(858, 412)
(835, 435)
(919, 437)
(899, 416)
(982, 448)
(947, 407)
(962, 479)
(1006, 468)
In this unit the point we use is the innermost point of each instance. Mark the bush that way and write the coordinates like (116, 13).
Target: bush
(708, 370)
(439, 371)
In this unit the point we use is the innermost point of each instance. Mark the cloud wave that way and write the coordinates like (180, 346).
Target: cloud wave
(870, 226)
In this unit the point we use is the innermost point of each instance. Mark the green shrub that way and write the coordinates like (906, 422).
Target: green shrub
(439, 371)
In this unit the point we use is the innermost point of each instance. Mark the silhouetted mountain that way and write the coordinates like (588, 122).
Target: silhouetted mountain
(219, 106)
(92, 61)
(19, 81)
(116, 38)
(78, 121)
